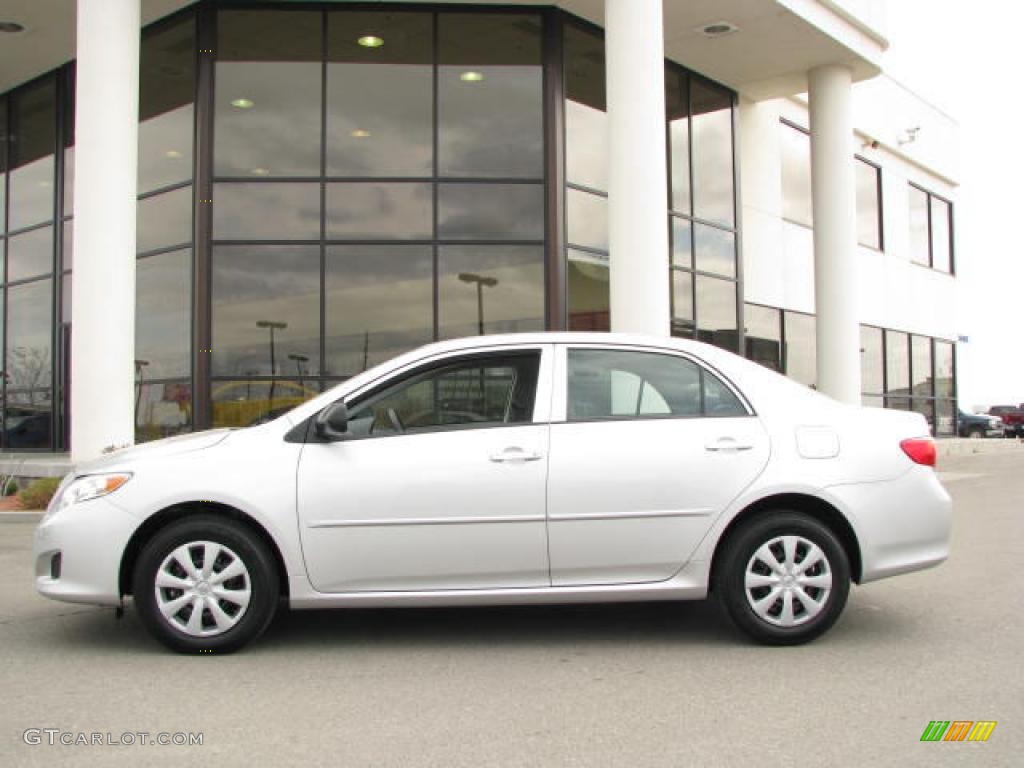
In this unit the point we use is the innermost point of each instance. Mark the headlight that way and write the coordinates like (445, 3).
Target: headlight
(87, 488)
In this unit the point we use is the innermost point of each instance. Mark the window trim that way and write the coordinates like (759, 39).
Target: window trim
(929, 195)
(879, 191)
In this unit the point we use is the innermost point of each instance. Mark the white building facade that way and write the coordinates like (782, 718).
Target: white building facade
(211, 221)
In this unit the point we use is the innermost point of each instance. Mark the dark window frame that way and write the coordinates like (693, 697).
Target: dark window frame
(880, 247)
(929, 196)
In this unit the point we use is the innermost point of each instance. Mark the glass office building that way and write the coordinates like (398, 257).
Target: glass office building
(324, 186)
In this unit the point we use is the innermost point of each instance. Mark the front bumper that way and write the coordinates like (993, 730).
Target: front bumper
(902, 525)
(90, 538)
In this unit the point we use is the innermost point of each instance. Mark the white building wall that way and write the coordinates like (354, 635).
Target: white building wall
(778, 255)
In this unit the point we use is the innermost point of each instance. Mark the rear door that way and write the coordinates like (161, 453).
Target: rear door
(647, 447)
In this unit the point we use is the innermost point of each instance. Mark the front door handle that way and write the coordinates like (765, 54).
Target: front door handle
(514, 454)
(727, 445)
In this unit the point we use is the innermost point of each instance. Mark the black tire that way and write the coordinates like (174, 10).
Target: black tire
(738, 553)
(261, 579)
(975, 433)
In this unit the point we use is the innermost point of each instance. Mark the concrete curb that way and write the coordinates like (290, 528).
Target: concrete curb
(20, 517)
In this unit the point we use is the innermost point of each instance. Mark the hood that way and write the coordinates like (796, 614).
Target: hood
(193, 441)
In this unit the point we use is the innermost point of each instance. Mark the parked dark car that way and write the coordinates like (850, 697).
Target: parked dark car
(979, 425)
(1013, 419)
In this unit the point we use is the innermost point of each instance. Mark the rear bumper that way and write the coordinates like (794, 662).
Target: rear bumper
(902, 525)
(90, 538)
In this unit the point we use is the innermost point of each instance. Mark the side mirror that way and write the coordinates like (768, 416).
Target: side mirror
(331, 424)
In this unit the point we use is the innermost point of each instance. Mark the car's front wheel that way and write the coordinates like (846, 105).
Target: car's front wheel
(205, 584)
(783, 578)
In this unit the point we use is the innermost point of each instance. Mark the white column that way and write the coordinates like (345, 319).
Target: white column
(835, 233)
(103, 297)
(637, 170)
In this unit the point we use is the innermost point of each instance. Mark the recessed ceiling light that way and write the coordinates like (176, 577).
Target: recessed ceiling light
(718, 29)
(243, 103)
(11, 26)
(471, 77)
(260, 172)
(172, 153)
(370, 41)
(360, 133)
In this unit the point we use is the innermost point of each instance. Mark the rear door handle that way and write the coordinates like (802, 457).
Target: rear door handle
(727, 445)
(514, 454)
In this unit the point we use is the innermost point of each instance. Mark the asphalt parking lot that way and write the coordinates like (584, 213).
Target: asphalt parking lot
(628, 685)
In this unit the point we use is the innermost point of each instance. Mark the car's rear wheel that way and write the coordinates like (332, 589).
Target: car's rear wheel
(783, 578)
(205, 584)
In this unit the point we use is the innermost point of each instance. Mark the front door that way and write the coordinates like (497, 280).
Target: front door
(441, 484)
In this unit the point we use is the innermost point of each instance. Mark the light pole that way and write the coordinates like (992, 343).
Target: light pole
(481, 281)
(273, 325)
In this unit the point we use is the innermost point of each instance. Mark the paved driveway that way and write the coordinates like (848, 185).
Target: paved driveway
(633, 685)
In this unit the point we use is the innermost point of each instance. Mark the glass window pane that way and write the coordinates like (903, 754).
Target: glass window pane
(368, 211)
(801, 353)
(29, 366)
(712, 153)
(682, 299)
(30, 254)
(268, 93)
(162, 409)
(796, 175)
(163, 315)
(380, 303)
(163, 220)
(677, 111)
(897, 363)
(682, 243)
(287, 211)
(716, 250)
(921, 365)
(944, 369)
(380, 98)
(607, 384)
(945, 425)
(918, 226)
(586, 218)
(716, 312)
(588, 292)
(266, 309)
(871, 360)
(28, 419)
(869, 230)
(763, 340)
(32, 141)
(490, 289)
(490, 104)
(941, 236)
(586, 121)
(927, 409)
(489, 390)
(166, 93)
(490, 212)
(245, 403)
(719, 400)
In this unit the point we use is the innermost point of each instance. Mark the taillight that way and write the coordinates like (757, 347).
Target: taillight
(921, 450)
